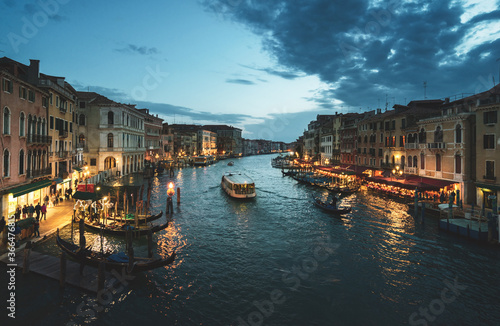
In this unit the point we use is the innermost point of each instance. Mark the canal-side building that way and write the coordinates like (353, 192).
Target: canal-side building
(167, 142)
(25, 173)
(115, 136)
(447, 151)
(153, 128)
(348, 138)
(61, 104)
(207, 142)
(326, 143)
(487, 185)
(229, 141)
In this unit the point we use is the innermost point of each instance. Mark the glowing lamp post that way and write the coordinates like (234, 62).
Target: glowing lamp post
(170, 193)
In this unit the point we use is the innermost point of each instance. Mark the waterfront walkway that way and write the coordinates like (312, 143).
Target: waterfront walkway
(57, 217)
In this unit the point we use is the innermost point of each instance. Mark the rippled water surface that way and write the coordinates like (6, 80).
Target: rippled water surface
(279, 260)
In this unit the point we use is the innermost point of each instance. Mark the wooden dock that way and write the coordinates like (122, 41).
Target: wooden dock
(465, 227)
(50, 266)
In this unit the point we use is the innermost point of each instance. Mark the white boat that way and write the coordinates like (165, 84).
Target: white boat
(203, 160)
(238, 185)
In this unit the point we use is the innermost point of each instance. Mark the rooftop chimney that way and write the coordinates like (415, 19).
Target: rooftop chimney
(34, 71)
(379, 111)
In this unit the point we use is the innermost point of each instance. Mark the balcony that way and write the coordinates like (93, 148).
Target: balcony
(38, 173)
(489, 178)
(38, 139)
(411, 146)
(436, 145)
(62, 154)
(412, 170)
(63, 134)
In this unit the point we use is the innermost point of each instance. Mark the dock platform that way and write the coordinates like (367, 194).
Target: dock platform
(472, 229)
(50, 266)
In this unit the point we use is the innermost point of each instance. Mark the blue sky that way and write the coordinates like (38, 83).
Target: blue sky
(266, 66)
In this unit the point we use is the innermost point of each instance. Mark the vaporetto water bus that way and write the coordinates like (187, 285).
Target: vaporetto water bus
(203, 160)
(238, 185)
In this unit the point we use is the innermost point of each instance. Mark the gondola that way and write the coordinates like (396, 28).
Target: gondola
(121, 229)
(113, 261)
(330, 208)
(132, 220)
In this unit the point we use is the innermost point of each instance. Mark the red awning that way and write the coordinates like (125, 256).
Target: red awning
(424, 183)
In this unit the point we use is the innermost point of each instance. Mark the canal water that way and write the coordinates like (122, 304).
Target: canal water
(279, 260)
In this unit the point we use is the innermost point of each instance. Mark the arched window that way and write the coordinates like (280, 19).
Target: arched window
(438, 162)
(422, 161)
(402, 161)
(81, 140)
(111, 118)
(410, 161)
(458, 134)
(109, 163)
(458, 164)
(22, 124)
(6, 121)
(421, 136)
(110, 140)
(21, 162)
(387, 159)
(6, 163)
(438, 135)
(81, 120)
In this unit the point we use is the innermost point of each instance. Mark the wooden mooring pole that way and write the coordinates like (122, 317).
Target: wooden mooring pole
(26, 261)
(62, 270)
(101, 277)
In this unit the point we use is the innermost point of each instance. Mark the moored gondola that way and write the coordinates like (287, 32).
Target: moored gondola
(113, 261)
(130, 219)
(121, 229)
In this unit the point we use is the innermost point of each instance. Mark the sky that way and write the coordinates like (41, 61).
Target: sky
(265, 66)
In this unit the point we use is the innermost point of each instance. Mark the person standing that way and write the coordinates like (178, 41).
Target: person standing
(2, 227)
(38, 208)
(31, 210)
(25, 211)
(43, 209)
(46, 200)
(17, 214)
(36, 227)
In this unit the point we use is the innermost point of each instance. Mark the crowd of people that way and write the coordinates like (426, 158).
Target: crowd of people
(36, 212)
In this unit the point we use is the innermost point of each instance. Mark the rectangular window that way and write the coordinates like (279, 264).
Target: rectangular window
(71, 127)
(50, 98)
(82, 105)
(393, 125)
(45, 102)
(93, 162)
(7, 86)
(31, 96)
(489, 141)
(403, 123)
(490, 117)
(51, 122)
(490, 170)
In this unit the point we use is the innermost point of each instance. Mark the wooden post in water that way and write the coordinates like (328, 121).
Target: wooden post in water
(136, 217)
(130, 251)
(178, 196)
(150, 243)
(416, 203)
(422, 213)
(72, 221)
(101, 277)
(26, 260)
(62, 270)
(117, 202)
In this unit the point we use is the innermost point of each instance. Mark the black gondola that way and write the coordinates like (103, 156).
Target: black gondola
(93, 258)
(141, 219)
(121, 229)
(330, 208)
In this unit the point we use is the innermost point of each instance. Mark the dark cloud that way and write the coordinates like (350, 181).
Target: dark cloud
(240, 81)
(369, 50)
(134, 49)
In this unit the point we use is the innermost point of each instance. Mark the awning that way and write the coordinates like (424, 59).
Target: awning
(86, 195)
(490, 186)
(77, 169)
(58, 180)
(429, 183)
(25, 189)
